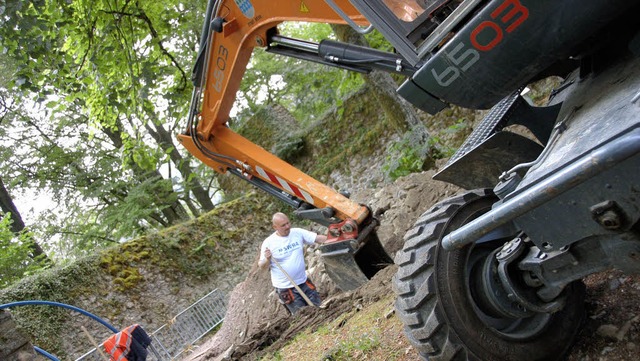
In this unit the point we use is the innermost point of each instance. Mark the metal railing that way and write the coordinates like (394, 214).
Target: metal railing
(190, 325)
(186, 328)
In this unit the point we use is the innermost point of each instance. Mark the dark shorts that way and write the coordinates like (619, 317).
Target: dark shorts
(292, 299)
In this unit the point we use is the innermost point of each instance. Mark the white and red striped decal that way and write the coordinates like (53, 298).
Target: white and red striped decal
(285, 185)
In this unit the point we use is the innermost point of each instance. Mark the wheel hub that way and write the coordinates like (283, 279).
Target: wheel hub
(501, 289)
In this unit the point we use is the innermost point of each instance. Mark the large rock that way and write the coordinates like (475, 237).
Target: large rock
(14, 345)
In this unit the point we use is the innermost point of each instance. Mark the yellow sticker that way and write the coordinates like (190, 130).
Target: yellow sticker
(303, 7)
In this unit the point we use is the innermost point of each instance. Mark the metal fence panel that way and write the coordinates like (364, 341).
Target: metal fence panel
(186, 328)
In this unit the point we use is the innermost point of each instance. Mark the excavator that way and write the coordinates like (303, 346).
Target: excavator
(552, 191)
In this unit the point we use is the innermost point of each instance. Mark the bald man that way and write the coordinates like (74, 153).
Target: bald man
(286, 246)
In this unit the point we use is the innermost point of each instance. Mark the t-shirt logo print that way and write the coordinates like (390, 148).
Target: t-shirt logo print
(282, 251)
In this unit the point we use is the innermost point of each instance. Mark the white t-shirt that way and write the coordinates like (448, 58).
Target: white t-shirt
(289, 252)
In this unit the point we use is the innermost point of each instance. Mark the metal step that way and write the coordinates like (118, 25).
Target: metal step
(495, 120)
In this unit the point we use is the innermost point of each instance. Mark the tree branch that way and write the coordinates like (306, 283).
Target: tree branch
(154, 34)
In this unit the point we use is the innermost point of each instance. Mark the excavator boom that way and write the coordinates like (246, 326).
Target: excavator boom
(231, 31)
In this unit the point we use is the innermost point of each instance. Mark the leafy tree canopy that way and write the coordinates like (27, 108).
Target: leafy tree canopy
(15, 260)
(90, 78)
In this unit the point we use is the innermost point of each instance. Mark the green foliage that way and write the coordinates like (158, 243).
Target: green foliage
(403, 159)
(356, 345)
(135, 210)
(306, 89)
(289, 149)
(89, 83)
(377, 41)
(139, 155)
(15, 255)
(455, 133)
(408, 155)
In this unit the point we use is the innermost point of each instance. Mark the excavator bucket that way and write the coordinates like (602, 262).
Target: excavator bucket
(352, 263)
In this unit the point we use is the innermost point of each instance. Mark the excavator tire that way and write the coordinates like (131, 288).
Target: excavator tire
(435, 302)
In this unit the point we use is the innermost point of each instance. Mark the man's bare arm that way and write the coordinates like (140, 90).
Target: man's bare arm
(262, 263)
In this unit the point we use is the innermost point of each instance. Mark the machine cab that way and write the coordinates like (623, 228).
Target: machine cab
(473, 53)
(415, 27)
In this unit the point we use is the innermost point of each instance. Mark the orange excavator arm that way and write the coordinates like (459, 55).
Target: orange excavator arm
(353, 253)
(235, 28)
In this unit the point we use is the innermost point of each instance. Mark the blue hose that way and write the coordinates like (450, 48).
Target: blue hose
(45, 353)
(57, 304)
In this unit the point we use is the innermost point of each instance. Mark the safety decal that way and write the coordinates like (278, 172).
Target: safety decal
(246, 7)
(290, 188)
(303, 7)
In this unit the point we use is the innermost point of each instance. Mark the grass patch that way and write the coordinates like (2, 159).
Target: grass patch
(366, 334)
